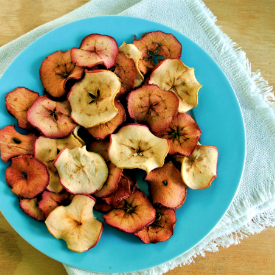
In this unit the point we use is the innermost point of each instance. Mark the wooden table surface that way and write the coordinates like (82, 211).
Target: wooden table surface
(251, 24)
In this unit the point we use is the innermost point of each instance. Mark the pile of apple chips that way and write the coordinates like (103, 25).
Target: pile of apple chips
(107, 110)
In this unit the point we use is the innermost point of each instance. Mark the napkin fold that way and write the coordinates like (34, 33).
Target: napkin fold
(253, 208)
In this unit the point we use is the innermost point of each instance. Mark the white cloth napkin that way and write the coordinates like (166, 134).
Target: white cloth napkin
(253, 207)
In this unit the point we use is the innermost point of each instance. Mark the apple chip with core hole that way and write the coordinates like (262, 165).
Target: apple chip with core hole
(76, 224)
(92, 98)
(161, 229)
(49, 201)
(156, 46)
(101, 131)
(18, 103)
(101, 147)
(51, 118)
(96, 49)
(30, 207)
(80, 171)
(27, 176)
(131, 51)
(151, 106)
(182, 134)
(134, 146)
(173, 75)
(57, 70)
(125, 70)
(132, 214)
(166, 186)
(200, 169)
(13, 144)
(111, 183)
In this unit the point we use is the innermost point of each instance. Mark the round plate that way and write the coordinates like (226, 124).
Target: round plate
(217, 114)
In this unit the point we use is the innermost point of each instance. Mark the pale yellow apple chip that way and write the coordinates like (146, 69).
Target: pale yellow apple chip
(80, 171)
(76, 224)
(200, 169)
(76, 134)
(92, 98)
(134, 146)
(47, 149)
(173, 75)
(131, 51)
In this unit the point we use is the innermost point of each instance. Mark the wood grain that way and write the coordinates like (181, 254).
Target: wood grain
(251, 25)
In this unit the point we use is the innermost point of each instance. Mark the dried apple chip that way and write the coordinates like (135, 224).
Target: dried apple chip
(182, 134)
(156, 46)
(200, 169)
(173, 75)
(96, 49)
(30, 207)
(18, 102)
(161, 229)
(51, 118)
(131, 214)
(131, 51)
(134, 146)
(76, 224)
(57, 70)
(80, 171)
(152, 106)
(13, 144)
(102, 131)
(101, 147)
(27, 176)
(166, 186)
(92, 98)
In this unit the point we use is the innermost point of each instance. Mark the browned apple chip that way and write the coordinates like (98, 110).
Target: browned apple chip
(102, 131)
(30, 207)
(173, 75)
(200, 169)
(92, 98)
(102, 206)
(18, 103)
(51, 118)
(101, 147)
(182, 134)
(166, 186)
(151, 106)
(96, 49)
(27, 176)
(57, 70)
(156, 46)
(13, 144)
(131, 214)
(161, 229)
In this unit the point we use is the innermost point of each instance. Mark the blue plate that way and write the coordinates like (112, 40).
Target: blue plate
(218, 115)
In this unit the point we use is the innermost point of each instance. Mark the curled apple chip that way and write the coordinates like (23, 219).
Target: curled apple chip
(30, 207)
(182, 134)
(156, 46)
(131, 51)
(51, 118)
(13, 144)
(166, 186)
(152, 106)
(200, 169)
(173, 75)
(57, 70)
(76, 224)
(96, 49)
(92, 98)
(76, 134)
(101, 147)
(47, 149)
(134, 146)
(27, 176)
(80, 171)
(102, 131)
(131, 214)
(18, 102)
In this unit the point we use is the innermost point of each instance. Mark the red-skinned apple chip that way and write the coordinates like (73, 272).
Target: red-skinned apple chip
(76, 224)
(18, 102)
(13, 144)
(30, 207)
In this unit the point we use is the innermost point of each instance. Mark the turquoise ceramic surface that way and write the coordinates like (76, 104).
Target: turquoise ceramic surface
(217, 114)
